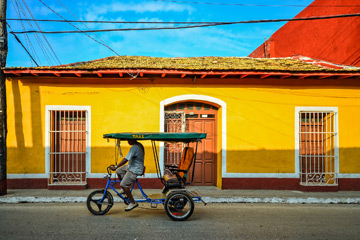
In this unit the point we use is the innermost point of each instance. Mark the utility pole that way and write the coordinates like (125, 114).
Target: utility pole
(3, 115)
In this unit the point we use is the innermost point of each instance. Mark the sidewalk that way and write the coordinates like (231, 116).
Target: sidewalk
(210, 195)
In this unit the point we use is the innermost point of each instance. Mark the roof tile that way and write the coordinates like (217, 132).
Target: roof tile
(191, 63)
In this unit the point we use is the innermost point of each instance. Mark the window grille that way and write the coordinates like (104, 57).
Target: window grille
(174, 122)
(68, 138)
(317, 154)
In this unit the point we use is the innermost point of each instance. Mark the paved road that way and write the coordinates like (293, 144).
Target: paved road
(214, 221)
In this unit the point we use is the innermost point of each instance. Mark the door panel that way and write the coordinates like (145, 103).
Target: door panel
(198, 117)
(198, 174)
(205, 167)
(209, 173)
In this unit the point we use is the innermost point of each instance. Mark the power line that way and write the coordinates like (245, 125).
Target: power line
(102, 42)
(212, 24)
(23, 10)
(79, 30)
(172, 23)
(87, 28)
(102, 21)
(132, 75)
(27, 38)
(47, 42)
(252, 5)
(18, 40)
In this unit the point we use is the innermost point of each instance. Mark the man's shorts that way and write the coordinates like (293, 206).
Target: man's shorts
(127, 176)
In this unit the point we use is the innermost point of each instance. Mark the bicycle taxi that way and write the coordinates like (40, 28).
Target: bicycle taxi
(177, 200)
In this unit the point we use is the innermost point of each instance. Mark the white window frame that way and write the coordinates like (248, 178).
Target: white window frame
(297, 130)
(49, 108)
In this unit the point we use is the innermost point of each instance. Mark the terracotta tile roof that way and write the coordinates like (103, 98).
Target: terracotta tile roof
(193, 63)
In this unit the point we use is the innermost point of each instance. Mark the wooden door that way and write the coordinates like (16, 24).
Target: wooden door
(202, 118)
(205, 165)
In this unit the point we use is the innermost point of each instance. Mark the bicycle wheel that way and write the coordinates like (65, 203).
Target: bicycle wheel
(95, 206)
(179, 206)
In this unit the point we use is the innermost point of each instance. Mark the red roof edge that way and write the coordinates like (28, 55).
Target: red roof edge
(166, 73)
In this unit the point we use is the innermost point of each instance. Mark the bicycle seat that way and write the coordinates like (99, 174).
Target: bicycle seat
(178, 174)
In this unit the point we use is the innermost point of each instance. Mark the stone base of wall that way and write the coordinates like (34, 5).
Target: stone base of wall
(344, 184)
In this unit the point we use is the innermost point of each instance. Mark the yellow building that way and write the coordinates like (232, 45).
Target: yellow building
(270, 123)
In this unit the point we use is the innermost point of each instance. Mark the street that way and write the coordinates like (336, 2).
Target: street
(213, 221)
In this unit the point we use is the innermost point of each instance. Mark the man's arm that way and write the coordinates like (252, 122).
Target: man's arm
(123, 162)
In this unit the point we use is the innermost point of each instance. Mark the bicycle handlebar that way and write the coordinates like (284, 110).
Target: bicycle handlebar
(109, 168)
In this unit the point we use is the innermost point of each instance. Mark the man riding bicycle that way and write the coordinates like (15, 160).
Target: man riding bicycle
(128, 173)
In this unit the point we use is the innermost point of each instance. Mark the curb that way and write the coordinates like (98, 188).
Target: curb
(290, 200)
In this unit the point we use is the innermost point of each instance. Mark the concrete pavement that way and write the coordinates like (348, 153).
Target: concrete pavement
(209, 194)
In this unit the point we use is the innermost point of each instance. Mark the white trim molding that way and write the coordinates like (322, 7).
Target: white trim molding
(27, 176)
(349, 175)
(261, 175)
(195, 97)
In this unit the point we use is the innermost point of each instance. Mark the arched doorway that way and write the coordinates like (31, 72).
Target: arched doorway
(194, 116)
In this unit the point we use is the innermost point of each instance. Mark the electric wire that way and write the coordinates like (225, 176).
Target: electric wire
(173, 22)
(45, 38)
(199, 25)
(18, 40)
(46, 53)
(105, 21)
(87, 27)
(78, 29)
(133, 76)
(252, 5)
(37, 37)
(27, 38)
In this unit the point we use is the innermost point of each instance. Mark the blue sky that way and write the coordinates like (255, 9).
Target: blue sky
(233, 40)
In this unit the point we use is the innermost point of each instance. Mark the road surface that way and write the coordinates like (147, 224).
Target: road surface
(214, 221)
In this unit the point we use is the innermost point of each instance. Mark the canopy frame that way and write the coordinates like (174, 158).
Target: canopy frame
(185, 137)
(162, 137)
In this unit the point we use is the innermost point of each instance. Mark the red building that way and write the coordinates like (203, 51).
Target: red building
(334, 40)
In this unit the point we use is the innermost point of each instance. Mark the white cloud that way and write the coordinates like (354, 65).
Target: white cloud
(182, 43)
(143, 7)
(106, 9)
(44, 11)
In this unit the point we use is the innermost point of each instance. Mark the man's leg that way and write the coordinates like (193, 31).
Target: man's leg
(129, 179)
(128, 194)
(122, 171)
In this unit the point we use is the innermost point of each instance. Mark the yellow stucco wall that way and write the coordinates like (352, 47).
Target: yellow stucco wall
(260, 121)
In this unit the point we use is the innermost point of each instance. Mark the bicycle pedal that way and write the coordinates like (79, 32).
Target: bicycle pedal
(153, 205)
(126, 201)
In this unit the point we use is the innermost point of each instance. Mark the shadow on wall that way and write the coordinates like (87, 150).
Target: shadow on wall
(239, 162)
(263, 161)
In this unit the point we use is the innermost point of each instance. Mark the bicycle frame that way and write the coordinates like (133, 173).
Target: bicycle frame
(177, 200)
(111, 184)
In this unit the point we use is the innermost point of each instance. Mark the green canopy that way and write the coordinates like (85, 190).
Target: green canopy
(166, 137)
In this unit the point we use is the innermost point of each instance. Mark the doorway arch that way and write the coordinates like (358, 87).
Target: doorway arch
(221, 130)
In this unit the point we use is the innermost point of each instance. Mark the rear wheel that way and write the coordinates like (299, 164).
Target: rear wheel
(179, 206)
(98, 207)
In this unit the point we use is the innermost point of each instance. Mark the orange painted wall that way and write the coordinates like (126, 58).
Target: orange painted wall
(334, 40)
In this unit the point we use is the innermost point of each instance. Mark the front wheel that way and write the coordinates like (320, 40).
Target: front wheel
(179, 206)
(98, 203)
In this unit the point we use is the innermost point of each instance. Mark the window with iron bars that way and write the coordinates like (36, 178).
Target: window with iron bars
(68, 137)
(174, 122)
(317, 148)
